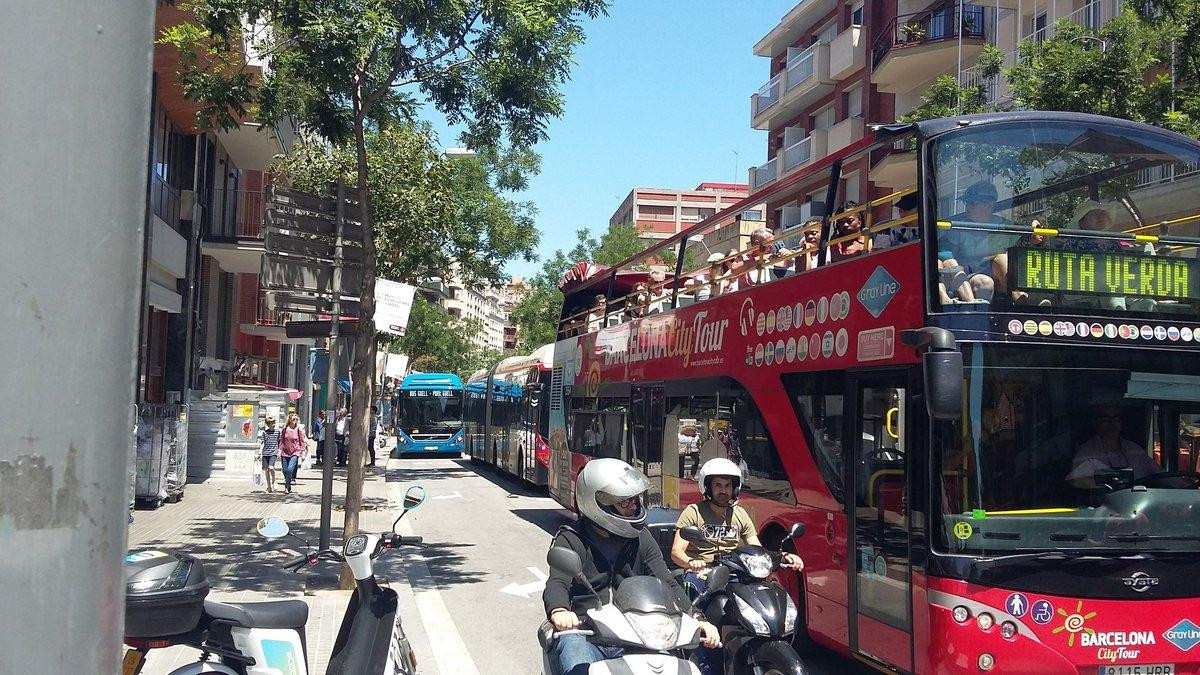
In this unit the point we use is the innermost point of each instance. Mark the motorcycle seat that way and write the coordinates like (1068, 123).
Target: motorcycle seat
(274, 614)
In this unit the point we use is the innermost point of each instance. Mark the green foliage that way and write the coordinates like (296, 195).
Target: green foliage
(1112, 72)
(429, 211)
(436, 342)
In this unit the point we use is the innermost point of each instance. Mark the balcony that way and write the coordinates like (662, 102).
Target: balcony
(794, 25)
(762, 176)
(803, 81)
(915, 48)
(846, 132)
(800, 151)
(233, 229)
(164, 201)
(847, 53)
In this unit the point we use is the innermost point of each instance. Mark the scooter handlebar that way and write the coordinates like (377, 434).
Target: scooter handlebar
(576, 631)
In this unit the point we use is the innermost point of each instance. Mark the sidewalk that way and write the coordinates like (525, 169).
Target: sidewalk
(216, 522)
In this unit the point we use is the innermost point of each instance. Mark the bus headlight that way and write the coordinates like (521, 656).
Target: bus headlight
(1008, 630)
(985, 621)
(961, 614)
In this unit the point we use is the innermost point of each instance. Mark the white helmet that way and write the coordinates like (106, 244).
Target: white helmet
(719, 466)
(604, 482)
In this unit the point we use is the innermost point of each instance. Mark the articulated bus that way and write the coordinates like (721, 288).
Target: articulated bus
(984, 406)
(430, 416)
(506, 424)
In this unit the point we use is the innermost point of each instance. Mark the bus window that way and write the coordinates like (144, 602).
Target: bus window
(752, 448)
(817, 399)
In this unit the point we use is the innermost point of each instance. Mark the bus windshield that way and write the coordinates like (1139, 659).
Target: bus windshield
(1067, 216)
(1072, 449)
(430, 410)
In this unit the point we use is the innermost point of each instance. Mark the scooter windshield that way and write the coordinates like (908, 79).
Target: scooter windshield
(644, 594)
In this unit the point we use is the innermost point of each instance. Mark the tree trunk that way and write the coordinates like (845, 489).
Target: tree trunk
(362, 372)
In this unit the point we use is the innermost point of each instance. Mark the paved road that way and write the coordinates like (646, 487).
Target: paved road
(483, 533)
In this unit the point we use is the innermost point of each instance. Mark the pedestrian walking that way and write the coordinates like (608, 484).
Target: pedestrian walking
(340, 429)
(319, 436)
(268, 450)
(374, 432)
(293, 449)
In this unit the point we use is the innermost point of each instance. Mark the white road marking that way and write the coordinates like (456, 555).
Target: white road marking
(453, 495)
(526, 590)
(449, 650)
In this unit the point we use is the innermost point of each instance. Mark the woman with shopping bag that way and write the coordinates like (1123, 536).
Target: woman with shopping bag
(293, 449)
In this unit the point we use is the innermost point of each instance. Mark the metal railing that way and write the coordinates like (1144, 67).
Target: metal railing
(235, 214)
(937, 24)
(768, 94)
(797, 153)
(801, 67)
(164, 200)
(265, 316)
(765, 174)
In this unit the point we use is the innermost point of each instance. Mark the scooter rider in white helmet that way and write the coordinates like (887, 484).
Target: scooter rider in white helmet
(727, 527)
(726, 524)
(613, 545)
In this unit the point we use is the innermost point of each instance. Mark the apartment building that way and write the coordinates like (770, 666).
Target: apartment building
(485, 304)
(510, 295)
(660, 213)
(837, 66)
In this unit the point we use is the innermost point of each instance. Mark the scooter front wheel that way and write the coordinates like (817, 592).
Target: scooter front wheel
(778, 658)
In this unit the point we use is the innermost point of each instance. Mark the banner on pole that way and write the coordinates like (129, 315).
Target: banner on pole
(393, 302)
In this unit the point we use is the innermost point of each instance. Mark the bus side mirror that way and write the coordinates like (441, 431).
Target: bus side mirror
(943, 385)
(942, 366)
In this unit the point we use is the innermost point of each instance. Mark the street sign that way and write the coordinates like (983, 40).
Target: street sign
(290, 199)
(309, 304)
(309, 223)
(281, 241)
(292, 274)
(393, 302)
(318, 329)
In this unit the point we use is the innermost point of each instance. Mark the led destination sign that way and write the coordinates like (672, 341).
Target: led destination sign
(1149, 276)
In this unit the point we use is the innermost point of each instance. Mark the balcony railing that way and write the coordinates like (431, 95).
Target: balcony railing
(765, 174)
(768, 95)
(933, 25)
(164, 200)
(800, 67)
(797, 153)
(265, 316)
(235, 214)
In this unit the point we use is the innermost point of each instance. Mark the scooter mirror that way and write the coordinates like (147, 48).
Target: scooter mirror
(564, 560)
(273, 527)
(797, 531)
(692, 533)
(414, 497)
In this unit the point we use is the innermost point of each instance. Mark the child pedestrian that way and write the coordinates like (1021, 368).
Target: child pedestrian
(268, 450)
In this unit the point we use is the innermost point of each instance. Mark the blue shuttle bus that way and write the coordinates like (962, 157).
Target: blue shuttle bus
(429, 417)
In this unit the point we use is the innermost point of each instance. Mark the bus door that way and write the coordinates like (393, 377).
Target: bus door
(647, 413)
(530, 422)
(880, 575)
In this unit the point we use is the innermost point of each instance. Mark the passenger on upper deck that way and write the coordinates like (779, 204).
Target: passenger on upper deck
(657, 292)
(638, 300)
(595, 318)
(845, 227)
(811, 244)
(760, 263)
(969, 280)
(906, 205)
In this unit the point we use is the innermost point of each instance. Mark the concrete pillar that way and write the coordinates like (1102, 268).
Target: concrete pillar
(75, 100)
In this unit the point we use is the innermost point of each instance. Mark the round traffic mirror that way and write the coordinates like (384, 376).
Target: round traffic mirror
(273, 527)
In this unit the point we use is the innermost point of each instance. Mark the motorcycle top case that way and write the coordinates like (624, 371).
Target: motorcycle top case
(660, 521)
(164, 593)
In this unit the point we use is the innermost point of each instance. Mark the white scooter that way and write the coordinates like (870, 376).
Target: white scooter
(165, 605)
(640, 618)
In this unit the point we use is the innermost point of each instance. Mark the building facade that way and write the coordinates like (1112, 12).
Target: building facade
(660, 213)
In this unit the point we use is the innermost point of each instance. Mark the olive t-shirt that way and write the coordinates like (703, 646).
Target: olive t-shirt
(729, 531)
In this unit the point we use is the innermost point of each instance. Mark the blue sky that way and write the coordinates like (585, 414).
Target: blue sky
(659, 97)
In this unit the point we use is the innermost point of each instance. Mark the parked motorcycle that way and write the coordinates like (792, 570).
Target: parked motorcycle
(640, 618)
(756, 617)
(166, 605)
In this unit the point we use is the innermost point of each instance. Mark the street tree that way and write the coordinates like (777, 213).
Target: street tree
(342, 68)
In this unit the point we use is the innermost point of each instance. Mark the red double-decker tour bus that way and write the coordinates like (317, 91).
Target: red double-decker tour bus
(979, 390)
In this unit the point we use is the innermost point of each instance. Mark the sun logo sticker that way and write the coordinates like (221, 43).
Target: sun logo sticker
(1074, 623)
(593, 379)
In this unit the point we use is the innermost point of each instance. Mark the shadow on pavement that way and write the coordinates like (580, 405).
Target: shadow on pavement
(510, 484)
(547, 519)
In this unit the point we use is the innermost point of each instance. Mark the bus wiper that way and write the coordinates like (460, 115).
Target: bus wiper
(1134, 538)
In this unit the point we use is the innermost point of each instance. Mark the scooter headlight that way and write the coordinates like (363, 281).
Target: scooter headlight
(756, 622)
(657, 631)
(758, 565)
(789, 617)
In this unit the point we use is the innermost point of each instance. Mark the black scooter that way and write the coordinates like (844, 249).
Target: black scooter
(756, 618)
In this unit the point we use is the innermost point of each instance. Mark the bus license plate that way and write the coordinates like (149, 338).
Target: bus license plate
(431, 448)
(1139, 669)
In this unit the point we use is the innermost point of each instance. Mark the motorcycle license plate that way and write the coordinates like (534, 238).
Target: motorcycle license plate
(1139, 669)
(132, 664)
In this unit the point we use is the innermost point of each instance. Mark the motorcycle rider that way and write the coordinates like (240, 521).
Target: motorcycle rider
(613, 545)
(727, 527)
